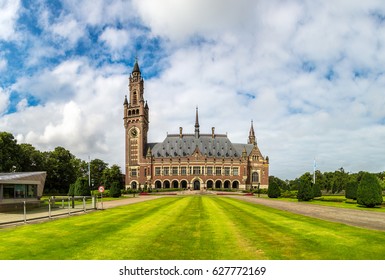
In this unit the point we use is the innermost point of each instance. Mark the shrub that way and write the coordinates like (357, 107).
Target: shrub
(369, 192)
(71, 191)
(305, 188)
(317, 190)
(273, 191)
(81, 187)
(115, 190)
(351, 190)
(289, 194)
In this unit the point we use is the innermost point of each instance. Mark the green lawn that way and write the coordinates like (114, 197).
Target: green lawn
(191, 227)
(336, 201)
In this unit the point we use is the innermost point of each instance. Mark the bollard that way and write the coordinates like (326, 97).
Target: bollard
(25, 213)
(93, 202)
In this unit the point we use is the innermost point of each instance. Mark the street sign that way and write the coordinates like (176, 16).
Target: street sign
(101, 189)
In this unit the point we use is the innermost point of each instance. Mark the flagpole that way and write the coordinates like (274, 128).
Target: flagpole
(314, 166)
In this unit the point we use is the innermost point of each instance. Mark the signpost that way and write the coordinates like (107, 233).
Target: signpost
(101, 190)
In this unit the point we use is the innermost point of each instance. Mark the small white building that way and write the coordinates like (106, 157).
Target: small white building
(21, 186)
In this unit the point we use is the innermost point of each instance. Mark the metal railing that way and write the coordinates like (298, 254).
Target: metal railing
(24, 210)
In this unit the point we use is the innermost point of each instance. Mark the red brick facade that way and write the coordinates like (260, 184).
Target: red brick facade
(189, 161)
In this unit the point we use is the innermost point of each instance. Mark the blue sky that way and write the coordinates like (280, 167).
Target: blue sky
(310, 74)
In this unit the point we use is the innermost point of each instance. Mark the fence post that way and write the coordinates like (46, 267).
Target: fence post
(69, 209)
(25, 213)
(93, 202)
(49, 208)
(62, 203)
(84, 204)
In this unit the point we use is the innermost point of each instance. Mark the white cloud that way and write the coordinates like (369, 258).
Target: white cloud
(309, 74)
(81, 112)
(4, 100)
(3, 64)
(9, 13)
(68, 28)
(178, 20)
(115, 39)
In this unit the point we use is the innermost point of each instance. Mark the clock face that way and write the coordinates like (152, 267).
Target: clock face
(134, 133)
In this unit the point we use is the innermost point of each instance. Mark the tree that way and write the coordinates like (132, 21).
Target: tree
(97, 167)
(9, 153)
(111, 175)
(30, 158)
(305, 189)
(61, 172)
(115, 190)
(273, 190)
(369, 192)
(351, 189)
(340, 180)
(317, 190)
(81, 187)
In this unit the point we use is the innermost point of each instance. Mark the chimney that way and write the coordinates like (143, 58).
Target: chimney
(180, 132)
(213, 132)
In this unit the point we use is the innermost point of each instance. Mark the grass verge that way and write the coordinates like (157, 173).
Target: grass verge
(191, 227)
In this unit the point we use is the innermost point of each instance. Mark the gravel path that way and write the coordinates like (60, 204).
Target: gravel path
(352, 217)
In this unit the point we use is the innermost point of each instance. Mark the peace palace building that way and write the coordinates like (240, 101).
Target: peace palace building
(193, 161)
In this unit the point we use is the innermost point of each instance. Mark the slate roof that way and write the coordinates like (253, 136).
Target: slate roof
(219, 146)
(22, 176)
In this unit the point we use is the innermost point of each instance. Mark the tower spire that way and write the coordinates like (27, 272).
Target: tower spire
(196, 123)
(136, 66)
(252, 135)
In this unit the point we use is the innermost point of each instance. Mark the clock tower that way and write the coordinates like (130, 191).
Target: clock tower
(136, 128)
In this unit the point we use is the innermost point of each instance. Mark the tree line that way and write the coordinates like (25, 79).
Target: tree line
(65, 172)
(363, 186)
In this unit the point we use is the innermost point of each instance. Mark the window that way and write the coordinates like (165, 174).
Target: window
(196, 170)
(255, 177)
(183, 170)
(227, 171)
(218, 171)
(209, 170)
(134, 173)
(235, 171)
(166, 171)
(175, 170)
(157, 171)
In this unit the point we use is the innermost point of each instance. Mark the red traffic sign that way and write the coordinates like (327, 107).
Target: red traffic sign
(101, 189)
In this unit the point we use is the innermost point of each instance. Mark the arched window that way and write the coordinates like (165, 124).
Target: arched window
(255, 177)
(218, 184)
(134, 98)
(235, 185)
(133, 185)
(175, 184)
(209, 184)
(183, 184)
(166, 184)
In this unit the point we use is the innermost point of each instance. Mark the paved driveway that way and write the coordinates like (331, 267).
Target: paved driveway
(359, 218)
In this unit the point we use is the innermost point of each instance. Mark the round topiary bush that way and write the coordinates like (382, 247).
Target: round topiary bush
(369, 192)
(273, 191)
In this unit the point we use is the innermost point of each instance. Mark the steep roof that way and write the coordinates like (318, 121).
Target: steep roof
(218, 146)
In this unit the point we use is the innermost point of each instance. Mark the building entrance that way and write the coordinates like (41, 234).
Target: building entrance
(197, 185)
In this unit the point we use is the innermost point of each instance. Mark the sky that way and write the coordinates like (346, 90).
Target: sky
(309, 74)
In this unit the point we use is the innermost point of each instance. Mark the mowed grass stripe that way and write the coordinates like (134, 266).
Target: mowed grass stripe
(193, 227)
(108, 234)
(284, 235)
